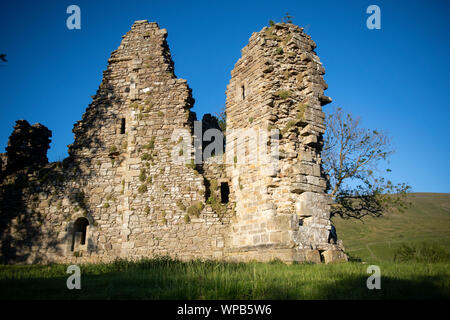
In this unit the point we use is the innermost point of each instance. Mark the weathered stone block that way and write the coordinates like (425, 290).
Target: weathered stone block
(333, 256)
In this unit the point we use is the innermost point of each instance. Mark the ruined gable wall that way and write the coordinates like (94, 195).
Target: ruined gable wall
(120, 175)
(149, 194)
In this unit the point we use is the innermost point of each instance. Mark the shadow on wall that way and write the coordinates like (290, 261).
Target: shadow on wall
(26, 167)
(21, 231)
(26, 234)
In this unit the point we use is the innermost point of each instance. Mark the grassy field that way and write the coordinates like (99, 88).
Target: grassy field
(163, 279)
(377, 239)
(374, 241)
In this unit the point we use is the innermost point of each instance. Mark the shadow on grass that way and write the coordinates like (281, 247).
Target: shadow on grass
(391, 288)
(157, 284)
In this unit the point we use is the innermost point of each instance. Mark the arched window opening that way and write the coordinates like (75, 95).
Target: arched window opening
(79, 232)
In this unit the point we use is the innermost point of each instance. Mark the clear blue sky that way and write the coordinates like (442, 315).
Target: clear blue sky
(395, 78)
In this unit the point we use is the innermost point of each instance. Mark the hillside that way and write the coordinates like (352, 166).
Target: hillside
(376, 239)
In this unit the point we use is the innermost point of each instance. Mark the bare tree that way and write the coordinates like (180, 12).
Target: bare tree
(351, 156)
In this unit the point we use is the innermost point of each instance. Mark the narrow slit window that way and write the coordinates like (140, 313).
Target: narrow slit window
(243, 92)
(122, 126)
(224, 192)
(79, 232)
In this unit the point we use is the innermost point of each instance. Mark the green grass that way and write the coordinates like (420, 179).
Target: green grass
(169, 279)
(377, 239)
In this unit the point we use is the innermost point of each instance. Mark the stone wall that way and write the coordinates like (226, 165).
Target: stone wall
(121, 194)
(3, 163)
(27, 146)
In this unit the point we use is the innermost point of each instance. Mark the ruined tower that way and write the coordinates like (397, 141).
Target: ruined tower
(281, 208)
(122, 194)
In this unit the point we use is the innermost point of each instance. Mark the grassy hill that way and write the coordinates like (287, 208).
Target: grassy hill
(377, 239)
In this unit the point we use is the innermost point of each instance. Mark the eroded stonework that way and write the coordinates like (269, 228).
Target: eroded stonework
(120, 194)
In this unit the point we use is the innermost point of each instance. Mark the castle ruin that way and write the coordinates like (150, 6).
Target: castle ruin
(120, 194)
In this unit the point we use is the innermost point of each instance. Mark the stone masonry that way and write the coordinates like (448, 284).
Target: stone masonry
(120, 194)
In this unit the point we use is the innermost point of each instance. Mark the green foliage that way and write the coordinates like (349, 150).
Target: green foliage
(142, 175)
(425, 252)
(181, 205)
(287, 18)
(214, 201)
(200, 205)
(271, 23)
(147, 210)
(279, 50)
(195, 209)
(160, 113)
(106, 205)
(222, 119)
(269, 33)
(301, 109)
(151, 144)
(142, 188)
(287, 39)
(289, 125)
(283, 94)
(146, 157)
(187, 218)
(112, 149)
(191, 165)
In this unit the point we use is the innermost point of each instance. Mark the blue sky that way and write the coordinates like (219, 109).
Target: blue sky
(395, 79)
